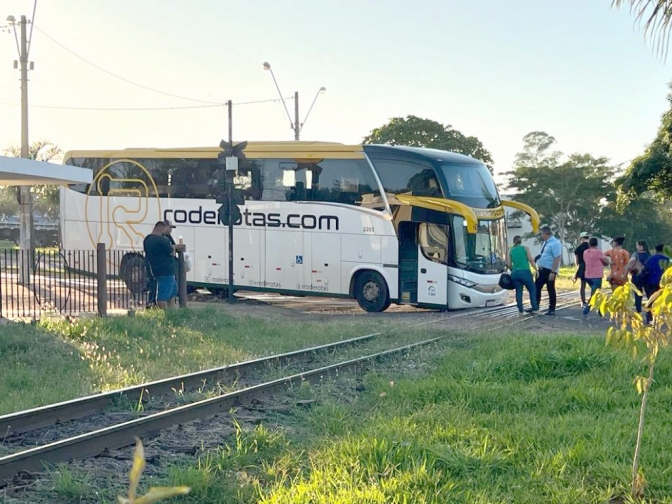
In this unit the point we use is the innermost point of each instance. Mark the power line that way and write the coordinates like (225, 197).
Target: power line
(128, 109)
(122, 78)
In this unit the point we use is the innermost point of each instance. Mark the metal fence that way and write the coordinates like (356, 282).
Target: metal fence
(35, 283)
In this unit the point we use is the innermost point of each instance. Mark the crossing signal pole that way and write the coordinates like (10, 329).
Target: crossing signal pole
(229, 211)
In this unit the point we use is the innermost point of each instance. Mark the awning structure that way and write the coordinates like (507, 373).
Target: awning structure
(20, 171)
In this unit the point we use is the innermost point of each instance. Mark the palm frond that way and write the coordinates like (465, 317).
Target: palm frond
(656, 15)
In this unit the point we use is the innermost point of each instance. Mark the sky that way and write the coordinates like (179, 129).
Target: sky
(576, 69)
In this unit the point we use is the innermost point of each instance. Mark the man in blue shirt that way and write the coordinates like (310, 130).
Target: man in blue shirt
(548, 263)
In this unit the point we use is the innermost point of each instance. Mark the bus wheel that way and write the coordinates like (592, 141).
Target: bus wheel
(133, 271)
(371, 292)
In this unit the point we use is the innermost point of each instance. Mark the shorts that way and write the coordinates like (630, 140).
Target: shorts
(581, 272)
(166, 288)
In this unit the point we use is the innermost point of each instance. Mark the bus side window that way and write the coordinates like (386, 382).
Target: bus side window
(343, 181)
(400, 177)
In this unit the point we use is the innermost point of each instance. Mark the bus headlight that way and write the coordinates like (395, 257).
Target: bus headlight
(462, 281)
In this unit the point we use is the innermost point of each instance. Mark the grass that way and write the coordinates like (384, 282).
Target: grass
(105, 354)
(34, 364)
(474, 419)
(519, 419)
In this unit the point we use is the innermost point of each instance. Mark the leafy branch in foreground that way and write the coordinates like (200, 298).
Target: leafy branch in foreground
(155, 494)
(630, 333)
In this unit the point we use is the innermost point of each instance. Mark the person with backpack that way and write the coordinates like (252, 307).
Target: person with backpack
(519, 260)
(637, 270)
(654, 267)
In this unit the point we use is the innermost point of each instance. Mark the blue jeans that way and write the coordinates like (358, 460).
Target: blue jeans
(594, 284)
(523, 278)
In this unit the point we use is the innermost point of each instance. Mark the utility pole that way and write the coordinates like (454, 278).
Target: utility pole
(230, 174)
(297, 125)
(25, 196)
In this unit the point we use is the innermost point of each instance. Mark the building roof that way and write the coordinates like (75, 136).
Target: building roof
(20, 171)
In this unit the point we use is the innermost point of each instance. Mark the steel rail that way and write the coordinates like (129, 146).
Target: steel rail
(17, 423)
(100, 441)
(25, 421)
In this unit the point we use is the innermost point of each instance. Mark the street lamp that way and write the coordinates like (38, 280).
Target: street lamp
(296, 125)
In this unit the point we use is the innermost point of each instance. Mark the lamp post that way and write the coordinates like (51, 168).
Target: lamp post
(295, 125)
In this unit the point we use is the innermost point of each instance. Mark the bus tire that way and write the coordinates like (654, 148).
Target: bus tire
(371, 292)
(133, 271)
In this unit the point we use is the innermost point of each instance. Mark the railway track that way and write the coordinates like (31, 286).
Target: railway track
(102, 440)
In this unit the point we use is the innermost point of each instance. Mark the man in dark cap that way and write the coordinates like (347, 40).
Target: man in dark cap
(160, 255)
(152, 281)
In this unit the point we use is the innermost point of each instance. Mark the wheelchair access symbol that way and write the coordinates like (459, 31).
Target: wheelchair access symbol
(299, 259)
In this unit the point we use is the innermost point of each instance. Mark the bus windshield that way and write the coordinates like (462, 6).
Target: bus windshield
(471, 184)
(483, 252)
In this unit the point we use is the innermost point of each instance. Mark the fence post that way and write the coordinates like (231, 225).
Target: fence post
(101, 276)
(181, 280)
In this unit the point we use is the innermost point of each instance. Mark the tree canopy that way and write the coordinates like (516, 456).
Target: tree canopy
(566, 194)
(652, 171)
(45, 197)
(414, 131)
(577, 193)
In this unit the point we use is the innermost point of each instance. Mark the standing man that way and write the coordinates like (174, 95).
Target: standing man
(160, 255)
(152, 280)
(548, 263)
(581, 265)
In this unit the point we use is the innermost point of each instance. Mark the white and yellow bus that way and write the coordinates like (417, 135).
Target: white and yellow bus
(380, 224)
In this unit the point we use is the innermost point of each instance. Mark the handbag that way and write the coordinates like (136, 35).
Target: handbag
(506, 282)
(188, 262)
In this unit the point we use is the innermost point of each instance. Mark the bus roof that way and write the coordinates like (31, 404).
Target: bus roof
(254, 150)
(427, 153)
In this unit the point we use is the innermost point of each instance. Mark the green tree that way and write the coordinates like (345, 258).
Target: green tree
(536, 152)
(652, 171)
(417, 132)
(567, 195)
(45, 197)
(640, 218)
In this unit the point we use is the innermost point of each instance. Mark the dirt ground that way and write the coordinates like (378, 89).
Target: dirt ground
(568, 318)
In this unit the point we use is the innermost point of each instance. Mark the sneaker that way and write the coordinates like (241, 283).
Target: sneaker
(550, 312)
(531, 311)
(585, 309)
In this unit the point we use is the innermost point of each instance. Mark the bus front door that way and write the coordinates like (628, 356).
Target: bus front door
(432, 253)
(423, 273)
